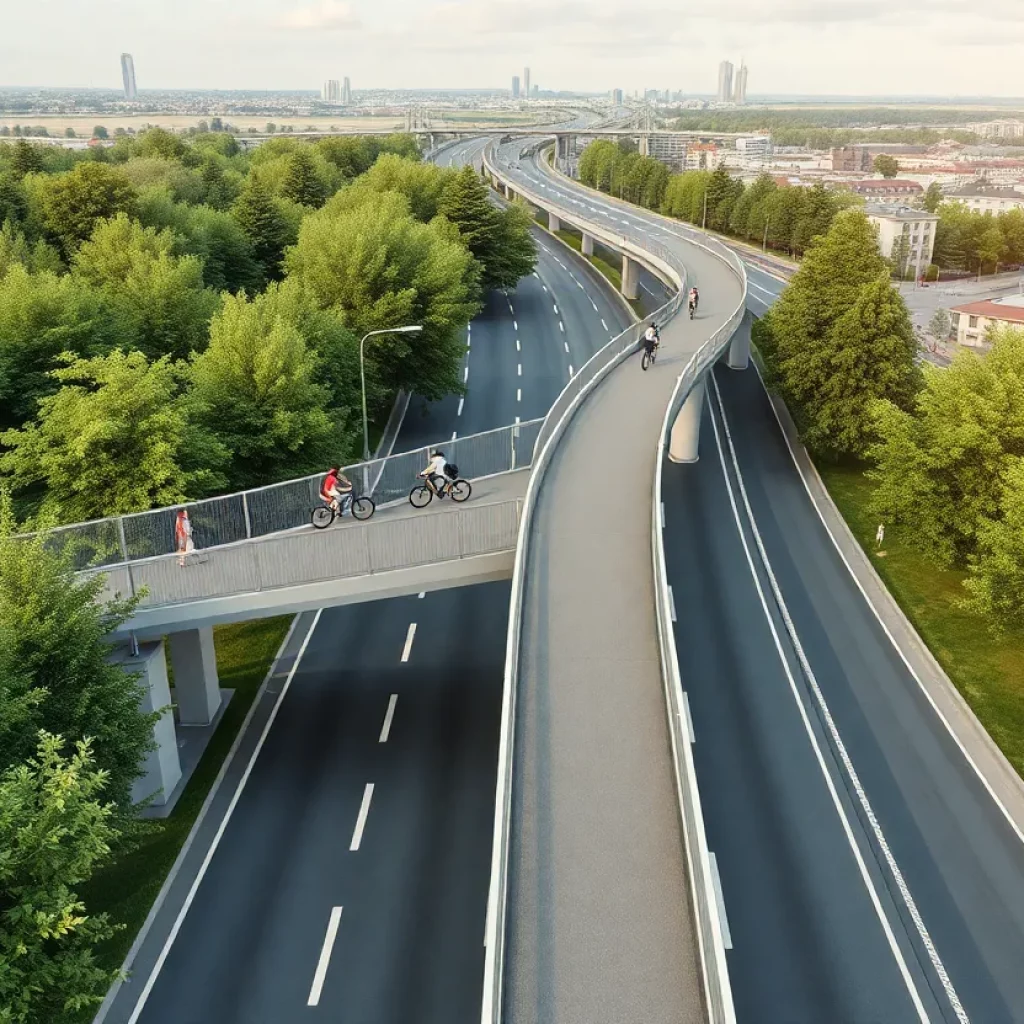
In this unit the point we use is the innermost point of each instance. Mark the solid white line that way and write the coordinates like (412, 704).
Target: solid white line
(672, 603)
(720, 900)
(603, 324)
(767, 291)
(689, 718)
(461, 403)
(222, 828)
(325, 957)
(364, 810)
(465, 376)
(385, 730)
(520, 370)
(561, 326)
(408, 641)
(519, 394)
(812, 739)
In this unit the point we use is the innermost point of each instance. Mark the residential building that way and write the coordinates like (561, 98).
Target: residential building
(861, 156)
(1005, 129)
(515, 87)
(669, 149)
(739, 92)
(986, 198)
(346, 92)
(972, 321)
(725, 70)
(754, 149)
(703, 156)
(330, 92)
(883, 191)
(905, 234)
(128, 76)
(526, 82)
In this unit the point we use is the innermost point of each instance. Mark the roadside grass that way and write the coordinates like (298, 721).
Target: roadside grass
(988, 671)
(127, 886)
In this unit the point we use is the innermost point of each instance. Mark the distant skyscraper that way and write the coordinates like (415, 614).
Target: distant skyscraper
(331, 91)
(739, 92)
(526, 82)
(724, 81)
(346, 92)
(128, 76)
(515, 87)
(536, 91)
(617, 97)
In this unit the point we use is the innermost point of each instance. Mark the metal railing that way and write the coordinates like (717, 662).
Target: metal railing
(314, 556)
(122, 541)
(715, 975)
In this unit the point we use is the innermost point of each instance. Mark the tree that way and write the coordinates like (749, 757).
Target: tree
(255, 388)
(72, 203)
(114, 438)
(375, 266)
(991, 246)
(70, 133)
(216, 125)
(301, 183)
(940, 466)
(933, 197)
(161, 143)
(160, 298)
(54, 830)
(270, 128)
(264, 225)
(940, 324)
(900, 255)
(887, 166)
(422, 184)
(13, 205)
(598, 163)
(16, 249)
(99, 132)
(26, 159)
(217, 192)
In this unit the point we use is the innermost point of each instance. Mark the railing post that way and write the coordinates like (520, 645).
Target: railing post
(245, 510)
(122, 540)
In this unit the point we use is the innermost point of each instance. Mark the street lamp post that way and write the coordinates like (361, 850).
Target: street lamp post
(362, 377)
(764, 244)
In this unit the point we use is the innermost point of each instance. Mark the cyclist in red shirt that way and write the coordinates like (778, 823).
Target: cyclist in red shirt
(335, 488)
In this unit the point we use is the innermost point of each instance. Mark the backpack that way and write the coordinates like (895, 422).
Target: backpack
(451, 470)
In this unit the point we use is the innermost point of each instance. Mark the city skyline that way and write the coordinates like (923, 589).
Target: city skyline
(799, 47)
(128, 76)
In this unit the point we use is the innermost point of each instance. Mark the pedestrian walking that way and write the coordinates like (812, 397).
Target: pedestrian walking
(880, 534)
(183, 542)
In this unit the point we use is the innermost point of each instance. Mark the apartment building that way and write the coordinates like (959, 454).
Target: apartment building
(971, 322)
(905, 234)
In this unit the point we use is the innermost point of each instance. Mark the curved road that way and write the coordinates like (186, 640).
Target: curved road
(401, 694)
(867, 873)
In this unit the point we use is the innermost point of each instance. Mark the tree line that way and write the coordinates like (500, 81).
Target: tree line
(178, 318)
(944, 446)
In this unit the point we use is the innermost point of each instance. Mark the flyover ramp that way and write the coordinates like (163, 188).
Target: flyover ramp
(598, 920)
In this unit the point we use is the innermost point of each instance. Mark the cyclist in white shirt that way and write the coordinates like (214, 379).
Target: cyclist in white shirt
(434, 473)
(651, 339)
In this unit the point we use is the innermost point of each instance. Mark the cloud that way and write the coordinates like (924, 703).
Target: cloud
(326, 16)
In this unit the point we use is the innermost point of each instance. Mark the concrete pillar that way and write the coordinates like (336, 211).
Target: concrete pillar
(645, 145)
(685, 437)
(588, 244)
(196, 685)
(430, 141)
(554, 224)
(161, 768)
(738, 353)
(630, 278)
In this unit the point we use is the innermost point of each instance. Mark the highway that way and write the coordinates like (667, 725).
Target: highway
(403, 695)
(866, 872)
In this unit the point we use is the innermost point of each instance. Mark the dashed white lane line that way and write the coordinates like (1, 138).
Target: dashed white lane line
(422, 594)
(385, 729)
(325, 958)
(520, 373)
(767, 291)
(603, 324)
(561, 326)
(462, 402)
(519, 394)
(515, 325)
(554, 306)
(544, 286)
(465, 376)
(455, 434)
(517, 420)
(570, 371)
(566, 344)
(519, 348)
(408, 641)
(594, 304)
(364, 810)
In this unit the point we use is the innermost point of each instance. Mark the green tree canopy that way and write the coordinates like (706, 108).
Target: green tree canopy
(161, 143)
(54, 830)
(375, 266)
(302, 184)
(26, 159)
(264, 224)
(16, 249)
(114, 438)
(933, 197)
(73, 203)
(99, 132)
(422, 184)
(255, 388)
(887, 166)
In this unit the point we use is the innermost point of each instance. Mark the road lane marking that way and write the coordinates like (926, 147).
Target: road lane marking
(385, 730)
(566, 344)
(221, 829)
(515, 325)
(544, 286)
(519, 394)
(455, 434)
(520, 373)
(461, 403)
(570, 371)
(517, 420)
(603, 324)
(767, 291)
(465, 376)
(555, 307)
(422, 594)
(830, 727)
(408, 641)
(561, 326)
(325, 958)
(594, 304)
(364, 811)
(716, 880)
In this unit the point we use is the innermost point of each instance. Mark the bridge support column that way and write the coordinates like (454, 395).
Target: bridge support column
(645, 145)
(737, 355)
(683, 443)
(588, 245)
(196, 685)
(554, 224)
(630, 278)
(161, 767)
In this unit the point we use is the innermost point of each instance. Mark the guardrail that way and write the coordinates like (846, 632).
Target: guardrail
(713, 964)
(123, 541)
(314, 556)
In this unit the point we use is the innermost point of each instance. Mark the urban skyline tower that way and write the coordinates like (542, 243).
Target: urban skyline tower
(725, 70)
(331, 91)
(515, 87)
(346, 91)
(128, 76)
(526, 82)
(739, 92)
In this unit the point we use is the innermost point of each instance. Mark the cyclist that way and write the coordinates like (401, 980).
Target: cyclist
(335, 488)
(694, 298)
(650, 340)
(435, 474)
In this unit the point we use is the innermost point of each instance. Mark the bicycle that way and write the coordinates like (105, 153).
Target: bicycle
(647, 359)
(423, 494)
(361, 507)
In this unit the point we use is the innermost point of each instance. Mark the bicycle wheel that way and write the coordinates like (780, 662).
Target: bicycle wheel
(645, 360)
(460, 490)
(420, 496)
(322, 516)
(363, 508)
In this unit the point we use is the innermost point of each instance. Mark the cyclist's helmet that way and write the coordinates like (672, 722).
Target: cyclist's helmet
(438, 455)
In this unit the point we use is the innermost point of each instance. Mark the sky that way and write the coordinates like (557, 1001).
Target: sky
(835, 47)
